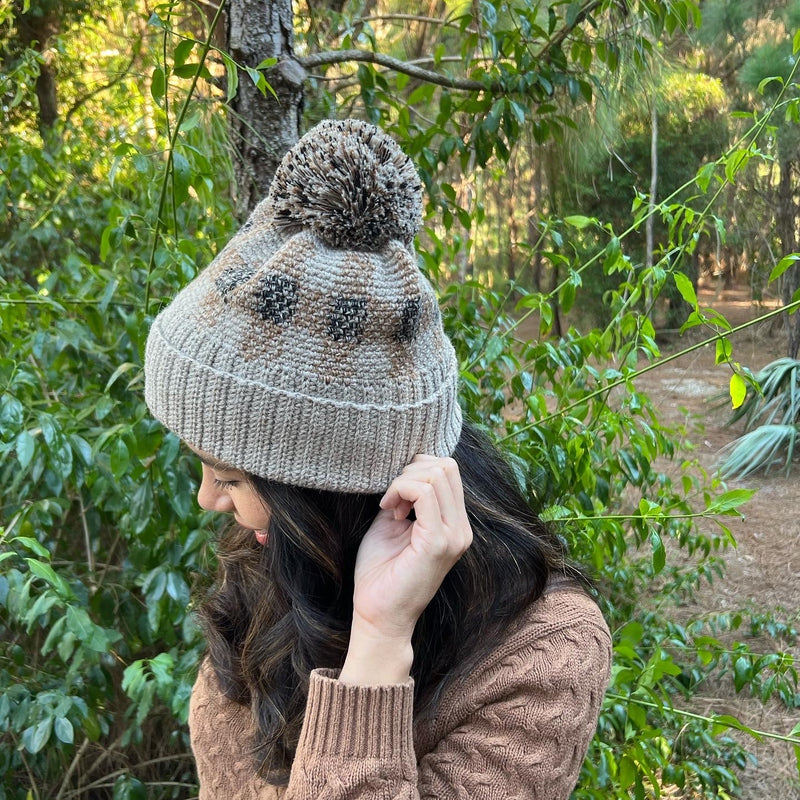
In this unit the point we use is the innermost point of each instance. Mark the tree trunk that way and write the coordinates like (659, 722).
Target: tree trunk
(262, 127)
(35, 32)
(46, 94)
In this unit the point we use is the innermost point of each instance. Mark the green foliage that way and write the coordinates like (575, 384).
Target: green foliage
(771, 414)
(101, 543)
(102, 547)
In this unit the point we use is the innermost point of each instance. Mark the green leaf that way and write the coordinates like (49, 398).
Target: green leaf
(64, 730)
(48, 574)
(120, 459)
(566, 297)
(182, 51)
(157, 84)
(685, 287)
(579, 221)
(232, 73)
(724, 350)
(33, 545)
(729, 721)
(704, 175)
(730, 500)
(762, 85)
(190, 70)
(783, 265)
(120, 370)
(181, 176)
(25, 446)
(659, 553)
(627, 772)
(738, 390)
(39, 735)
(741, 673)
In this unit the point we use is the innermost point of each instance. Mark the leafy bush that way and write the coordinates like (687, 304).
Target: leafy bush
(102, 547)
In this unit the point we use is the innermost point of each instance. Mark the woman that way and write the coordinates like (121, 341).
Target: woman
(390, 619)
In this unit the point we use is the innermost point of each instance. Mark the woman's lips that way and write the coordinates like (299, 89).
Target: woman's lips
(262, 537)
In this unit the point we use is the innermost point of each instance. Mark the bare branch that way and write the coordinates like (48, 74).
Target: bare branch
(446, 23)
(346, 81)
(81, 100)
(405, 17)
(343, 56)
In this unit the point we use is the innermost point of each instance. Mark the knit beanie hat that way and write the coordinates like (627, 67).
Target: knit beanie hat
(311, 350)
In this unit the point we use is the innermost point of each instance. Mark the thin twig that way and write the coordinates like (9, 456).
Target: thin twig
(714, 719)
(654, 365)
(101, 782)
(87, 539)
(172, 141)
(445, 23)
(72, 767)
(11, 525)
(106, 86)
(34, 788)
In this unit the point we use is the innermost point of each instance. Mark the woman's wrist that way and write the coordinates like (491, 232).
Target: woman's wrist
(375, 658)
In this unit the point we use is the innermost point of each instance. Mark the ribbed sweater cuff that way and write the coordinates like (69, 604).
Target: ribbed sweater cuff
(359, 722)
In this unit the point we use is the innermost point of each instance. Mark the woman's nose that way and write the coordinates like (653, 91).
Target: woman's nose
(210, 496)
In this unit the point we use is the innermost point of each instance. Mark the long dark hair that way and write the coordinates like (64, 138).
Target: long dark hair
(278, 611)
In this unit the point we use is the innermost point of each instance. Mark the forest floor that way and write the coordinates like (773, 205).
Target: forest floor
(763, 571)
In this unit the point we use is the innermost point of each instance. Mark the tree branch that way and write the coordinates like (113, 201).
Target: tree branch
(343, 56)
(445, 23)
(78, 103)
(562, 34)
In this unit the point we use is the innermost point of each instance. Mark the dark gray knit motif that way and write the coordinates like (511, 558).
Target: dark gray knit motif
(275, 298)
(409, 320)
(347, 318)
(234, 277)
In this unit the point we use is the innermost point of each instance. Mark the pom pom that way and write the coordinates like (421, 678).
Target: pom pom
(349, 183)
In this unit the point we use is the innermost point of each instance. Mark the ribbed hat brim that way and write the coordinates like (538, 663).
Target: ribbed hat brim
(293, 438)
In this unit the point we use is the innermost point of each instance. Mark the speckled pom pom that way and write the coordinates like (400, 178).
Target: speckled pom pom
(349, 183)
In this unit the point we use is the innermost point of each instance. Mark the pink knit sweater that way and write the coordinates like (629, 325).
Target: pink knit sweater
(517, 727)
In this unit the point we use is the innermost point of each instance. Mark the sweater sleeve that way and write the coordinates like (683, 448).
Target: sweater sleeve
(517, 727)
(520, 727)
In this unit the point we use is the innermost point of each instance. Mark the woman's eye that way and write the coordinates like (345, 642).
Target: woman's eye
(220, 484)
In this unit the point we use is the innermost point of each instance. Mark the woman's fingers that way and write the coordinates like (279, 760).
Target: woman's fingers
(424, 474)
(401, 564)
(432, 487)
(450, 469)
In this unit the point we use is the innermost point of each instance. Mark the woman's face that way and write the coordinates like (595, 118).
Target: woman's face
(225, 488)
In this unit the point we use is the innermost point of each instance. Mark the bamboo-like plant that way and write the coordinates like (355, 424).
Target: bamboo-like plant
(772, 422)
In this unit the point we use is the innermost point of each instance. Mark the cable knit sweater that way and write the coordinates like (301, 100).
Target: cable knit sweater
(517, 727)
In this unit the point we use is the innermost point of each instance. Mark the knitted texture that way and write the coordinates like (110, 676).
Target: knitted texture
(518, 726)
(311, 350)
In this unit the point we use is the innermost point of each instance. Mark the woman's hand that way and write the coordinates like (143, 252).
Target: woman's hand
(401, 564)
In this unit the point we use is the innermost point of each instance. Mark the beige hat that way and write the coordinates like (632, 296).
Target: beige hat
(311, 350)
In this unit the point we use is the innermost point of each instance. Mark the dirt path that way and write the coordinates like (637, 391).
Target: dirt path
(763, 572)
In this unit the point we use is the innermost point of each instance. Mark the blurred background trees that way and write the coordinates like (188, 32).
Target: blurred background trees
(585, 162)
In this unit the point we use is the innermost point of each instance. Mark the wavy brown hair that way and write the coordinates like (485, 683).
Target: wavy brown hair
(278, 611)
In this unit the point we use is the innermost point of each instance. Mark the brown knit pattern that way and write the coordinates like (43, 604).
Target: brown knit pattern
(518, 727)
